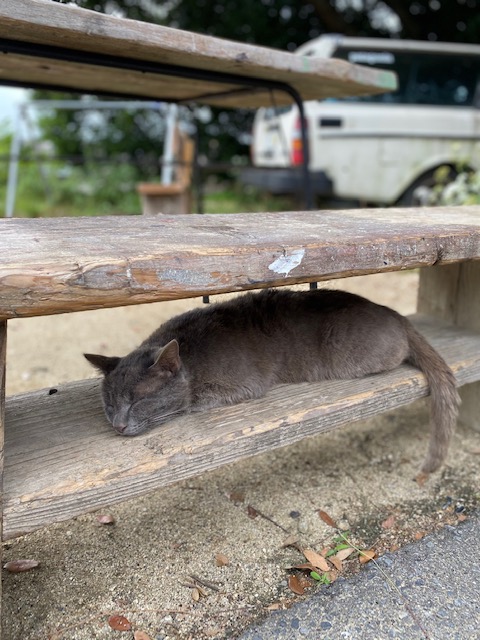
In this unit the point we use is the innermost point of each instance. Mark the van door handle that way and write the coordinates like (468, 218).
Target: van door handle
(330, 122)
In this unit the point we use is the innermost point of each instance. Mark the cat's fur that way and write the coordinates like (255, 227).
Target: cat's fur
(233, 351)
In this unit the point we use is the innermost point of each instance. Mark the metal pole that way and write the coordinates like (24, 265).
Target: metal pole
(168, 146)
(97, 104)
(307, 181)
(15, 148)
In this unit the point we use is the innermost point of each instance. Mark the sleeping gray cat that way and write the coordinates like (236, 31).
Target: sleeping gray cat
(237, 350)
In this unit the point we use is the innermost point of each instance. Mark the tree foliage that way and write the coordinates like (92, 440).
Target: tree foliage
(285, 24)
(84, 135)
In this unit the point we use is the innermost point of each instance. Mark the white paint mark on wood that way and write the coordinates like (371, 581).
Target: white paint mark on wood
(284, 264)
(186, 277)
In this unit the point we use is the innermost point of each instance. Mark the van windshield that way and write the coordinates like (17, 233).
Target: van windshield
(423, 78)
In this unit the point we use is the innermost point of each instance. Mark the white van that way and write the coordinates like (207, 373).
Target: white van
(380, 149)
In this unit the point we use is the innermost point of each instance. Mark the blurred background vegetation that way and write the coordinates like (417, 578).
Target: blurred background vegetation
(89, 163)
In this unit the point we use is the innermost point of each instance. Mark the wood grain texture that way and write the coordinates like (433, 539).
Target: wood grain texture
(58, 265)
(438, 290)
(452, 293)
(63, 459)
(3, 359)
(43, 22)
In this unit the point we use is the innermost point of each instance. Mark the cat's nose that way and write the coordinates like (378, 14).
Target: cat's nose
(119, 427)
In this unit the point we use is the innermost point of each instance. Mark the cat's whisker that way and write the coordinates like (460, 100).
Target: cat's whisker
(158, 419)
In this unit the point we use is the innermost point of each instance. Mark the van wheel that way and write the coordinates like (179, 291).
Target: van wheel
(419, 193)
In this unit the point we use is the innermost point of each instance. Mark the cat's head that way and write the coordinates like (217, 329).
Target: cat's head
(143, 389)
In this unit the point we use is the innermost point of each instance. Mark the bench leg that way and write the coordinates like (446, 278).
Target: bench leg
(3, 355)
(452, 292)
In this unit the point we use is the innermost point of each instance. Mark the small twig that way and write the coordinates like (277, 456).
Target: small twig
(204, 583)
(263, 515)
(190, 585)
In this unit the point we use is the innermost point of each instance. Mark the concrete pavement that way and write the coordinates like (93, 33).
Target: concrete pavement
(436, 596)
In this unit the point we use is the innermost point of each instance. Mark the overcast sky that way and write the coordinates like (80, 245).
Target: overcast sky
(9, 99)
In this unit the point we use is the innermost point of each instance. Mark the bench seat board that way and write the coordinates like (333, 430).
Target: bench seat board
(63, 459)
(41, 22)
(56, 265)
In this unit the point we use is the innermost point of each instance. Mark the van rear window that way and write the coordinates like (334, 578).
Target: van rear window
(423, 78)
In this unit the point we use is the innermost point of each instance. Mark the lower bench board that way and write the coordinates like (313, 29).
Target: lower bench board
(63, 459)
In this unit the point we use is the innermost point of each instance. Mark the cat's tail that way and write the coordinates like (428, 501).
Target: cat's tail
(444, 397)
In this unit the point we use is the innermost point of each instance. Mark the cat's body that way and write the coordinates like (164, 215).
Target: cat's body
(237, 350)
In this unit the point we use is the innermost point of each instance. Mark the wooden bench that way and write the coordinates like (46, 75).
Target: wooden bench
(61, 456)
(176, 197)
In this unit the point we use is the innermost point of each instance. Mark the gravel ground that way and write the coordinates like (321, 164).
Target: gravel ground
(227, 527)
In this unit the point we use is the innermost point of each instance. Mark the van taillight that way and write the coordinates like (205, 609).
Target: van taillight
(297, 156)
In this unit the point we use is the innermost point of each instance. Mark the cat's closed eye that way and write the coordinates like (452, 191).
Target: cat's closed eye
(109, 410)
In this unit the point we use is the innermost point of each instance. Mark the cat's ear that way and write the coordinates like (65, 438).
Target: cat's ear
(104, 364)
(168, 358)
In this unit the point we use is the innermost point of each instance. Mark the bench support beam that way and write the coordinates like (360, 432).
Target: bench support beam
(452, 293)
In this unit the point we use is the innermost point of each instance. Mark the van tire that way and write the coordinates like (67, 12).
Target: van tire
(417, 194)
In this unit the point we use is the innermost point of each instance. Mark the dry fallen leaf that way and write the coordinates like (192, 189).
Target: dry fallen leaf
(291, 541)
(304, 566)
(141, 635)
(462, 517)
(237, 497)
(337, 563)
(389, 522)
(327, 519)
(419, 535)
(106, 519)
(18, 566)
(295, 585)
(333, 575)
(275, 606)
(421, 478)
(196, 594)
(251, 511)
(119, 623)
(316, 559)
(343, 554)
(367, 555)
(221, 560)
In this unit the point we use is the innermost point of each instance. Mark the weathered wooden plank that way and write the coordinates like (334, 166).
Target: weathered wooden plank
(45, 23)
(452, 293)
(3, 358)
(62, 458)
(70, 264)
(93, 79)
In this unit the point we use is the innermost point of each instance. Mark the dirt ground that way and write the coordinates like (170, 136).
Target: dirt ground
(227, 527)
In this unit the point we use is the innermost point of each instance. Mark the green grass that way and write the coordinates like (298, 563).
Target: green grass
(235, 199)
(57, 190)
(53, 190)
